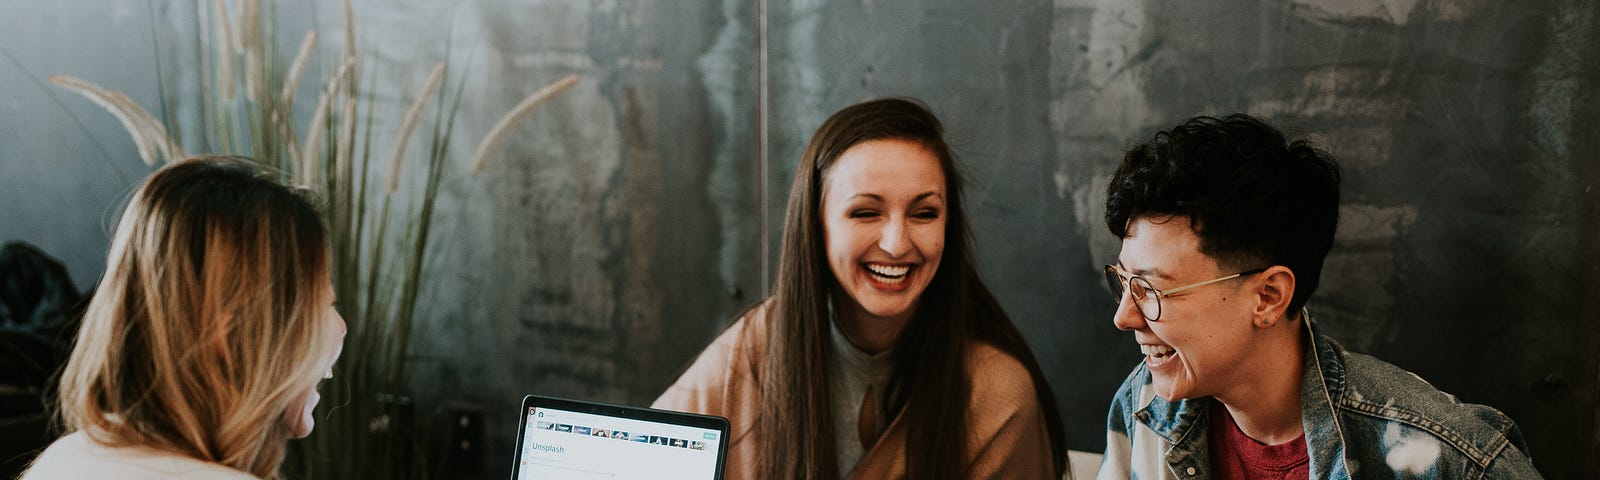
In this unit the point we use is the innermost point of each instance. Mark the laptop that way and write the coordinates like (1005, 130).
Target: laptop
(564, 439)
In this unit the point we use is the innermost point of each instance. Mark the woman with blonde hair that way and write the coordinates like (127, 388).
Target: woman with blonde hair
(201, 349)
(880, 353)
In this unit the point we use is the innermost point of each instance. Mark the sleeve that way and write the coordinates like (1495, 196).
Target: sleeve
(1008, 436)
(720, 382)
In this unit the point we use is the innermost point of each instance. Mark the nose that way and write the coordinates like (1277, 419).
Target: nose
(1128, 316)
(893, 238)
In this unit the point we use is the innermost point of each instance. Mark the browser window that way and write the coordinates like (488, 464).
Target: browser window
(573, 445)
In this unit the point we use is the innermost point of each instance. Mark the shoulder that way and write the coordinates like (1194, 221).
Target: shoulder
(727, 363)
(1397, 405)
(722, 381)
(1008, 436)
(998, 378)
(1001, 389)
(1378, 387)
(77, 455)
(745, 337)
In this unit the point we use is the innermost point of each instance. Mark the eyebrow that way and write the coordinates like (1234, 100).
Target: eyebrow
(877, 197)
(1145, 272)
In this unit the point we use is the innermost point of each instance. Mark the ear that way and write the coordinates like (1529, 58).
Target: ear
(1274, 290)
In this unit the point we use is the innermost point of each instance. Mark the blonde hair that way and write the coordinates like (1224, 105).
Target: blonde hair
(207, 324)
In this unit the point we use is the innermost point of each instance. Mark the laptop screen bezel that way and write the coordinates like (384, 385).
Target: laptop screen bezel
(707, 422)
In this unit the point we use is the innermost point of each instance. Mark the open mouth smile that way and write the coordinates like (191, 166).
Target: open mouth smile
(886, 275)
(1157, 355)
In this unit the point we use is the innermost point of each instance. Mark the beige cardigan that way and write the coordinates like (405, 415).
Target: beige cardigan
(1007, 438)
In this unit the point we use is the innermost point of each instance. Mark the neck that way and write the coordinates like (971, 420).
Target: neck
(1266, 405)
(870, 333)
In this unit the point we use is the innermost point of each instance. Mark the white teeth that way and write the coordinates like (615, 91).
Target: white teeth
(1155, 350)
(892, 272)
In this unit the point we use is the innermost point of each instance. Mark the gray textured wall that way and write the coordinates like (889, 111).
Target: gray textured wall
(618, 232)
(58, 185)
(623, 225)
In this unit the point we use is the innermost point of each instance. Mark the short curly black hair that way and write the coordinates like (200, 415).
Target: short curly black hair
(1254, 198)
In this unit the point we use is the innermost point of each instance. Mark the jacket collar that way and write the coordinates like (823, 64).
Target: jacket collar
(1322, 385)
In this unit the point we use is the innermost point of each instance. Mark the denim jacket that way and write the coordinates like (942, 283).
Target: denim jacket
(1363, 419)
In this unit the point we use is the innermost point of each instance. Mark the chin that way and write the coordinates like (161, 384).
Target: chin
(888, 309)
(301, 421)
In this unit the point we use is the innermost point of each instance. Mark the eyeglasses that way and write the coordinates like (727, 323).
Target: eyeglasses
(1145, 297)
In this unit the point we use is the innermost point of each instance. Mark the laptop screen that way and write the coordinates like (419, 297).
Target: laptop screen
(569, 439)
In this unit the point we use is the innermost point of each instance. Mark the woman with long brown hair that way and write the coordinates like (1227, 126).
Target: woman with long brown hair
(880, 354)
(200, 353)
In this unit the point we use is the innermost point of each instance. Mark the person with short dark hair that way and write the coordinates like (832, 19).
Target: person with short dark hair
(1224, 226)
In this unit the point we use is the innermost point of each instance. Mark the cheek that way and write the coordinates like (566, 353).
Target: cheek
(1209, 351)
(294, 417)
(843, 242)
(930, 240)
(1193, 345)
(840, 259)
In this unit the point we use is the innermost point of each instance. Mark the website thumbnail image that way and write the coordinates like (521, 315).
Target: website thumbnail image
(568, 422)
(620, 435)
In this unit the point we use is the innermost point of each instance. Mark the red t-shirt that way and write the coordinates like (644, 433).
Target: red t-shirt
(1235, 456)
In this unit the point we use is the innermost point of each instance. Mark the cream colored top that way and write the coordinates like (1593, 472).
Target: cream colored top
(851, 374)
(77, 456)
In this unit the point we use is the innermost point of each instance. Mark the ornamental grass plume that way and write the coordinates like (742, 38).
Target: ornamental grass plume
(410, 124)
(491, 141)
(313, 144)
(291, 81)
(149, 137)
(227, 51)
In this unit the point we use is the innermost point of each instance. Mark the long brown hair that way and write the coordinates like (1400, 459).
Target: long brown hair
(206, 325)
(930, 383)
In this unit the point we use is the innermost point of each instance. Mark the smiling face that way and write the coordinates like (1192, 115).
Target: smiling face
(1202, 342)
(298, 417)
(883, 209)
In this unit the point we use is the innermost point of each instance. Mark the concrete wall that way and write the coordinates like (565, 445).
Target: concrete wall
(59, 184)
(625, 223)
(618, 232)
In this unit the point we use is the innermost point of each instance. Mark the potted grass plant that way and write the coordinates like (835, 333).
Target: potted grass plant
(379, 229)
